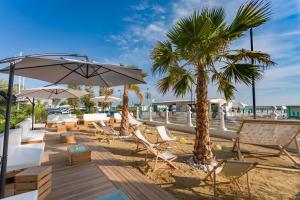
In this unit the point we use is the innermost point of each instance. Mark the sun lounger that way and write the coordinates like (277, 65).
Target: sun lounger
(105, 132)
(164, 134)
(232, 170)
(166, 156)
(32, 195)
(270, 133)
(22, 156)
(117, 195)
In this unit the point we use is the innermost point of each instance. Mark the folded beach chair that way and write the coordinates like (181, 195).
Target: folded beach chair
(164, 134)
(232, 170)
(166, 156)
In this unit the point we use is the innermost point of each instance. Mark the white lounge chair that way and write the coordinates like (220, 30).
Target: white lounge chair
(166, 156)
(32, 195)
(270, 133)
(164, 134)
(232, 170)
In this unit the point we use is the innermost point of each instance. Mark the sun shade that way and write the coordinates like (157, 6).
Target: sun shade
(51, 92)
(69, 71)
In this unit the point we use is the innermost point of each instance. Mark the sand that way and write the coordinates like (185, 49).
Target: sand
(185, 182)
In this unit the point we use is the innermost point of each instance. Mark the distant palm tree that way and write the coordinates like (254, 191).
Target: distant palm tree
(124, 130)
(106, 92)
(198, 49)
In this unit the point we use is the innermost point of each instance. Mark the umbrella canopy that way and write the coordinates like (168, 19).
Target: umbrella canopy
(106, 99)
(70, 71)
(52, 92)
(241, 105)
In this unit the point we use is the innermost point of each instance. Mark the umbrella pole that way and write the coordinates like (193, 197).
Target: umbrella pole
(32, 115)
(6, 130)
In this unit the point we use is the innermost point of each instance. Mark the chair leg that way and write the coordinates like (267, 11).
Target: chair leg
(297, 146)
(248, 185)
(240, 156)
(289, 156)
(155, 163)
(234, 146)
(215, 186)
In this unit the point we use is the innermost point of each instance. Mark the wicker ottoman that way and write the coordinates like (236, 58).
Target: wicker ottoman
(67, 137)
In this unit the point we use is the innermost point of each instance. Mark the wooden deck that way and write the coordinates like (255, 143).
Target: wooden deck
(103, 175)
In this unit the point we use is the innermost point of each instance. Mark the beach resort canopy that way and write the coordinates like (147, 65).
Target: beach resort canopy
(106, 99)
(57, 70)
(49, 92)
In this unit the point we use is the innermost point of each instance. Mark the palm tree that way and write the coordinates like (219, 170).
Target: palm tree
(197, 50)
(124, 130)
(105, 91)
(74, 102)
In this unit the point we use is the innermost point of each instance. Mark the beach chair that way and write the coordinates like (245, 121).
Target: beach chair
(166, 156)
(270, 133)
(105, 132)
(231, 170)
(164, 135)
(133, 121)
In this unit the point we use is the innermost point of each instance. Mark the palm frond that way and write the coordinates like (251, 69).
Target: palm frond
(178, 79)
(163, 57)
(137, 90)
(224, 86)
(251, 14)
(246, 56)
(241, 73)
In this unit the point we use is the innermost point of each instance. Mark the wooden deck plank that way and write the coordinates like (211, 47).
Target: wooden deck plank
(124, 177)
(103, 175)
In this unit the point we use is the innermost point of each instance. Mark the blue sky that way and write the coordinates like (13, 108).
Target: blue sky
(126, 31)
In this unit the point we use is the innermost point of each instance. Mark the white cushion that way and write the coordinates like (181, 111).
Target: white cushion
(32, 195)
(25, 156)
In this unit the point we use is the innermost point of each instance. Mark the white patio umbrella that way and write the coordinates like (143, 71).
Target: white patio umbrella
(108, 99)
(49, 92)
(60, 71)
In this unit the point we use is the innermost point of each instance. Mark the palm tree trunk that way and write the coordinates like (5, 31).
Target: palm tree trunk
(124, 130)
(202, 149)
